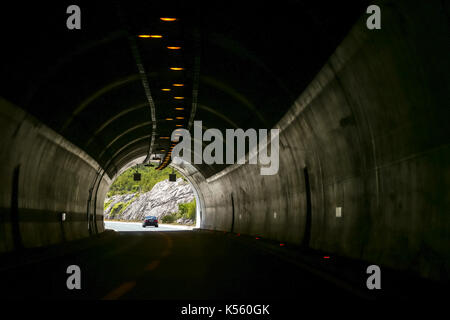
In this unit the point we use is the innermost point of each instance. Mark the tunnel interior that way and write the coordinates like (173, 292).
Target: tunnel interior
(363, 119)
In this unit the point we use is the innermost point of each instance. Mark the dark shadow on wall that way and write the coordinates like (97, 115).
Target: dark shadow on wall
(307, 234)
(232, 217)
(17, 238)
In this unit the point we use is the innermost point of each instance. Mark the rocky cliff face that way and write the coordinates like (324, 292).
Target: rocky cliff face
(162, 200)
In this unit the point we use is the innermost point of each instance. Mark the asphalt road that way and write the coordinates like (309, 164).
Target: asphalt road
(181, 265)
(137, 226)
(165, 265)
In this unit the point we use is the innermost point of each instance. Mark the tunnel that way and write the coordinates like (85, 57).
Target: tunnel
(361, 114)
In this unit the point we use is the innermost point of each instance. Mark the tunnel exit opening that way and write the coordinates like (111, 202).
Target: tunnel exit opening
(160, 200)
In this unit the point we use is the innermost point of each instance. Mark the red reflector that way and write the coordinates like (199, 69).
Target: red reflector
(281, 244)
(326, 257)
(257, 238)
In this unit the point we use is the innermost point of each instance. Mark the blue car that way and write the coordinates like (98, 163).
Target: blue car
(150, 221)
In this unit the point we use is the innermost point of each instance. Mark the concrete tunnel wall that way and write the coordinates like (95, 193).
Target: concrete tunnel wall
(372, 131)
(44, 175)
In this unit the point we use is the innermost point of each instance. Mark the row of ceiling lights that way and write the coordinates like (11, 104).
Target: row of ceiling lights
(166, 159)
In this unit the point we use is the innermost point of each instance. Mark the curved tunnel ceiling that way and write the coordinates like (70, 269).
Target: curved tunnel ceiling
(243, 67)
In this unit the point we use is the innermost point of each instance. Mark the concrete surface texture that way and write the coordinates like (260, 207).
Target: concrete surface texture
(372, 132)
(43, 176)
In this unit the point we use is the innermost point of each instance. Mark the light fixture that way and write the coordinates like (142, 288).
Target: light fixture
(176, 68)
(178, 84)
(157, 36)
(166, 89)
(164, 137)
(173, 48)
(178, 98)
(180, 118)
(169, 119)
(179, 108)
(179, 125)
(168, 19)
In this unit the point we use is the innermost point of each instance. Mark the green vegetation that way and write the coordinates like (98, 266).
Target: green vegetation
(169, 218)
(106, 204)
(149, 177)
(117, 209)
(185, 210)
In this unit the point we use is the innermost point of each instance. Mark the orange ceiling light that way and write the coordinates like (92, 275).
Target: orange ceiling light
(155, 36)
(178, 85)
(164, 137)
(178, 98)
(180, 118)
(169, 119)
(179, 125)
(179, 108)
(173, 48)
(166, 89)
(176, 68)
(168, 19)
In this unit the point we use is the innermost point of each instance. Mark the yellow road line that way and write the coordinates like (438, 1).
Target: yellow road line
(152, 265)
(167, 250)
(120, 291)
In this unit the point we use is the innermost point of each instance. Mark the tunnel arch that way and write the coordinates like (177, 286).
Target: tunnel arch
(188, 171)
